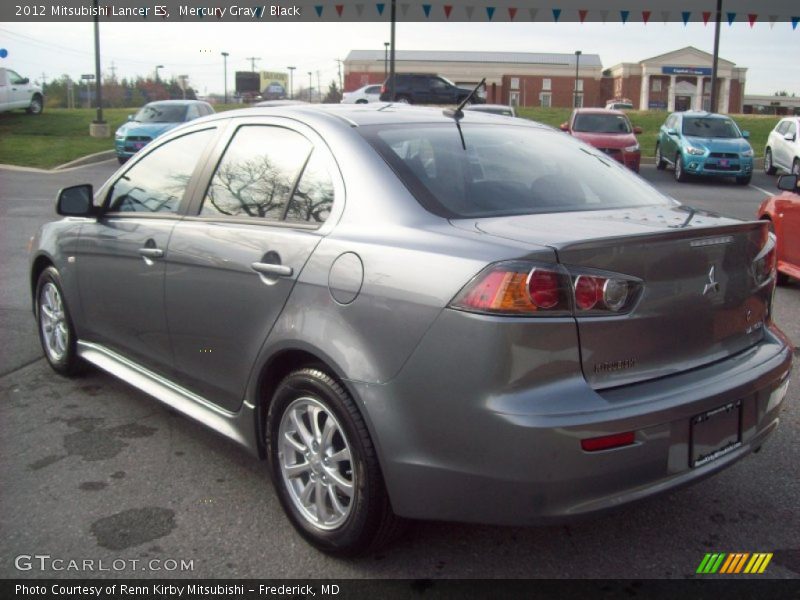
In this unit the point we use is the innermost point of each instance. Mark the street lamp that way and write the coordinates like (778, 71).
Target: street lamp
(577, 66)
(310, 86)
(385, 60)
(157, 68)
(225, 56)
(291, 81)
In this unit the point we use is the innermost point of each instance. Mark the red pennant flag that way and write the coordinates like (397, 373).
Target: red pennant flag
(448, 8)
(645, 16)
(512, 12)
(582, 14)
(752, 18)
(339, 9)
(706, 17)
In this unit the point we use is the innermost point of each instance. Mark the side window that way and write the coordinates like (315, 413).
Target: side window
(782, 126)
(257, 173)
(156, 183)
(791, 128)
(313, 198)
(373, 89)
(192, 112)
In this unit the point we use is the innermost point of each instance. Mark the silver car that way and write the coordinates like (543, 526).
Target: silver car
(417, 313)
(783, 147)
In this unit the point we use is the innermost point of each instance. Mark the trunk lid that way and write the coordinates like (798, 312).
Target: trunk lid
(700, 302)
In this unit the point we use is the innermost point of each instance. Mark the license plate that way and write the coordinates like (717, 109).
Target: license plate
(138, 145)
(715, 433)
(724, 163)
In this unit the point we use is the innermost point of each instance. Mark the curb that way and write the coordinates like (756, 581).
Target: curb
(87, 160)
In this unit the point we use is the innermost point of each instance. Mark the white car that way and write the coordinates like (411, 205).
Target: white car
(18, 92)
(783, 147)
(364, 95)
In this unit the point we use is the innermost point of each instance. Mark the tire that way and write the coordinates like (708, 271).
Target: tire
(769, 168)
(782, 279)
(796, 167)
(403, 100)
(680, 174)
(56, 331)
(362, 101)
(347, 511)
(36, 106)
(743, 180)
(122, 159)
(661, 164)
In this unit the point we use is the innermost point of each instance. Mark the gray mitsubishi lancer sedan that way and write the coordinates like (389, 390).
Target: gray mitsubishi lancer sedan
(417, 313)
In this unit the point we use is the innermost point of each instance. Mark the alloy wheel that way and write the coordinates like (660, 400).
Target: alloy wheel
(53, 322)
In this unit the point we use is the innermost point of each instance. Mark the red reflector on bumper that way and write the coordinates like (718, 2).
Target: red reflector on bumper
(608, 441)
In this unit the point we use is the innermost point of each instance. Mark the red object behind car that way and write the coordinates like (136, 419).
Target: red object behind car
(607, 130)
(784, 212)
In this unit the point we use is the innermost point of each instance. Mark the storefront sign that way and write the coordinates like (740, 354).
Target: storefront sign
(686, 70)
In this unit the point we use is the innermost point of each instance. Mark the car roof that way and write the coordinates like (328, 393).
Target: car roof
(702, 113)
(358, 115)
(176, 102)
(599, 111)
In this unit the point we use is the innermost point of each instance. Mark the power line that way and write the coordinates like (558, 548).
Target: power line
(253, 60)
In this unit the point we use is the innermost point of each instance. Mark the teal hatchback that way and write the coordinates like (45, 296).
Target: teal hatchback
(702, 143)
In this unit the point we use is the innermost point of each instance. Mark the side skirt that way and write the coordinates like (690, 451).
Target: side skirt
(238, 426)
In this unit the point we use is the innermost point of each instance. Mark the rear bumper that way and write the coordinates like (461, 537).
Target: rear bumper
(452, 449)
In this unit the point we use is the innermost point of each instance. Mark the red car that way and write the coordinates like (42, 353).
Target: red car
(783, 211)
(607, 130)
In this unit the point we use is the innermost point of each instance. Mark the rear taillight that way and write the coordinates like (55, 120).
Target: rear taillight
(765, 263)
(523, 288)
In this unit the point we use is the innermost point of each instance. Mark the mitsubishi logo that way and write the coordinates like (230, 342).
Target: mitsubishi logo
(712, 287)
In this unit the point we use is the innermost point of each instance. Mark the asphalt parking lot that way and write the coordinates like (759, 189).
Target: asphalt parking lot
(92, 469)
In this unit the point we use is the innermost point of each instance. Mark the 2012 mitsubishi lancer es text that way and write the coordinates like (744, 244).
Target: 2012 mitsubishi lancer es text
(417, 313)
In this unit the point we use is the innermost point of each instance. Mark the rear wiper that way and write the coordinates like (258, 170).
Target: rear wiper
(458, 113)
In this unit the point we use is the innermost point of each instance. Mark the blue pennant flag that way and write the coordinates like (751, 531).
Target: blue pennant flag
(795, 21)
(556, 14)
(731, 18)
(624, 14)
(380, 8)
(427, 9)
(490, 12)
(318, 8)
(686, 14)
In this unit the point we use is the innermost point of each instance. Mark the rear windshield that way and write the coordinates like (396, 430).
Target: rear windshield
(505, 170)
(704, 127)
(161, 113)
(598, 123)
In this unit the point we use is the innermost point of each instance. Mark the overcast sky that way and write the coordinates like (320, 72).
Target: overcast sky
(193, 49)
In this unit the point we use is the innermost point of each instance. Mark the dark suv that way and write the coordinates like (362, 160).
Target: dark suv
(422, 88)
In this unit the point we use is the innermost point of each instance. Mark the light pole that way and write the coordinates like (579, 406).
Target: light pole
(577, 66)
(98, 127)
(157, 68)
(291, 81)
(310, 86)
(385, 60)
(225, 56)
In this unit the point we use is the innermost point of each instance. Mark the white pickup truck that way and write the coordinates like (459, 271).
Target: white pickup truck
(18, 92)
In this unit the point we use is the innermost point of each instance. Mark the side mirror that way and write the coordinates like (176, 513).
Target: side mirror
(745, 134)
(564, 127)
(672, 131)
(788, 183)
(76, 201)
(130, 117)
(789, 137)
(637, 130)
(24, 81)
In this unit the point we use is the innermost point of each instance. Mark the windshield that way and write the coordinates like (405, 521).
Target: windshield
(705, 127)
(505, 170)
(161, 113)
(598, 123)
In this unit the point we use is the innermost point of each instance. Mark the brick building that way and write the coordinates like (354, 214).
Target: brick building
(678, 80)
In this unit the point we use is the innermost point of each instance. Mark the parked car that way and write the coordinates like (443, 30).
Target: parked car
(703, 143)
(495, 109)
(783, 212)
(619, 104)
(609, 131)
(363, 95)
(783, 147)
(424, 88)
(284, 102)
(17, 91)
(154, 119)
(515, 330)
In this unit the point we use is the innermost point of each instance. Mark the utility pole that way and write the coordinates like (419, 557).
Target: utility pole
(310, 86)
(391, 53)
(341, 84)
(98, 127)
(319, 87)
(714, 82)
(113, 70)
(225, 56)
(253, 60)
(291, 81)
(44, 81)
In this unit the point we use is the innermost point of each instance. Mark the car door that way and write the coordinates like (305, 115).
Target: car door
(787, 212)
(120, 257)
(233, 265)
(670, 143)
(18, 93)
(787, 146)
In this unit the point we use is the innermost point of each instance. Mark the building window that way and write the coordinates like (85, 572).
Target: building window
(546, 85)
(579, 101)
(656, 87)
(515, 83)
(545, 99)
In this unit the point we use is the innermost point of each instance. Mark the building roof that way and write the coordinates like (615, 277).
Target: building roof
(539, 58)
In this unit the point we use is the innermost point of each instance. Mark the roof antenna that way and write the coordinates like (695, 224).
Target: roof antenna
(458, 113)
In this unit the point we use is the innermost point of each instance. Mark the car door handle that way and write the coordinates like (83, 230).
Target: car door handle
(151, 252)
(272, 269)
